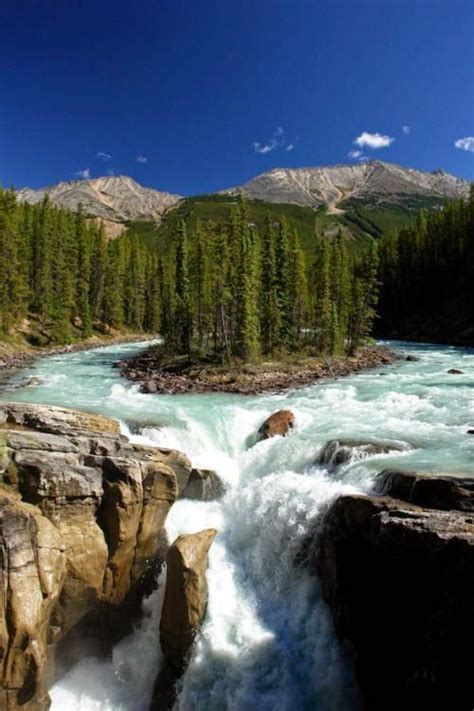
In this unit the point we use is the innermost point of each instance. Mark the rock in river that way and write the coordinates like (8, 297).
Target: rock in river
(280, 423)
(339, 451)
(184, 609)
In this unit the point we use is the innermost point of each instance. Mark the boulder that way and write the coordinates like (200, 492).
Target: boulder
(149, 386)
(411, 358)
(470, 431)
(185, 601)
(455, 371)
(280, 423)
(203, 485)
(339, 451)
(398, 578)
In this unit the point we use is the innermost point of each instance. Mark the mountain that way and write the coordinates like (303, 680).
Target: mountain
(116, 199)
(342, 186)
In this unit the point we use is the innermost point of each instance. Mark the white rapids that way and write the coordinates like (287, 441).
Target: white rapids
(268, 642)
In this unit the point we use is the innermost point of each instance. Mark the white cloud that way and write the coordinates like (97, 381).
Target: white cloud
(465, 144)
(142, 159)
(103, 156)
(373, 140)
(278, 140)
(83, 174)
(264, 147)
(357, 155)
(406, 130)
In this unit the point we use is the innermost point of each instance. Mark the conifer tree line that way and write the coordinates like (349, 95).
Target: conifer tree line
(225, 289)
(230, 289)
(427, 274)
(61, 270)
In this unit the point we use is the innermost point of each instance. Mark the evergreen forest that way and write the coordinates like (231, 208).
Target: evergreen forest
(427, 277)
(231, 288)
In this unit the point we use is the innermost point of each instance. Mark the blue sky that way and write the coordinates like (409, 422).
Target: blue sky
(195, 95)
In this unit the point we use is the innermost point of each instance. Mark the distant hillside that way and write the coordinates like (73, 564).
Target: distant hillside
(113, 198)
(357, 224)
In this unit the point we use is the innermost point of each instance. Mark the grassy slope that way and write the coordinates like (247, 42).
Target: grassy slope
(358, 224)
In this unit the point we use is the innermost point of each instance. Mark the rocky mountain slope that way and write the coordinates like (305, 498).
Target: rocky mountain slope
(340, 186)
(112, 198)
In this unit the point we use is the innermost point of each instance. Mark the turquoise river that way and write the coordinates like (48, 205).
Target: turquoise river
(268, 641)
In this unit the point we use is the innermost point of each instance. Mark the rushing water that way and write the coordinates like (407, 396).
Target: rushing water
(268, 641)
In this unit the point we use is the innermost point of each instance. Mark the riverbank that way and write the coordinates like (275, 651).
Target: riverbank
(14, 356)
(183, 375)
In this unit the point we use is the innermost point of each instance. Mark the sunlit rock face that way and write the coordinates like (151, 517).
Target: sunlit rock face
(82, 514)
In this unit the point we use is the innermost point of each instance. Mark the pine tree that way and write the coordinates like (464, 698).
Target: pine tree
(83, 247)
(246, 344)
(322, 297)
(270, 316)
(282, 276)
(183, 315)
(297, 289)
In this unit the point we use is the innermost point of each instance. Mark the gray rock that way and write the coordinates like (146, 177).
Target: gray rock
(203, 485)
(340, 451)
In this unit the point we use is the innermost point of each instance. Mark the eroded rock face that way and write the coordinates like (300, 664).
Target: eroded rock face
(82, 515)
(32, 572)
(399, 579)
(280, 423)
(339, 451)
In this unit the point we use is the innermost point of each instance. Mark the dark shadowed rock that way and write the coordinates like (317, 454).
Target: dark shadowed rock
(280, 423)
(431, 491)
(455, 371)
(203, 485)
(411, 358)
(339, 451)
(399, 579)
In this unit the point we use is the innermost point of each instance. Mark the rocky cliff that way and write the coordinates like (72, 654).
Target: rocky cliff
(334, 186)
(82, 513)
(116, 199)
(397, 570)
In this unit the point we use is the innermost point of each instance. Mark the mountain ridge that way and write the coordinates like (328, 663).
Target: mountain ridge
(120, 199)
(331, 186)
(112, 198)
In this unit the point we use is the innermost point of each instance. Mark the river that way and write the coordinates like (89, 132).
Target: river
(268, 642)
